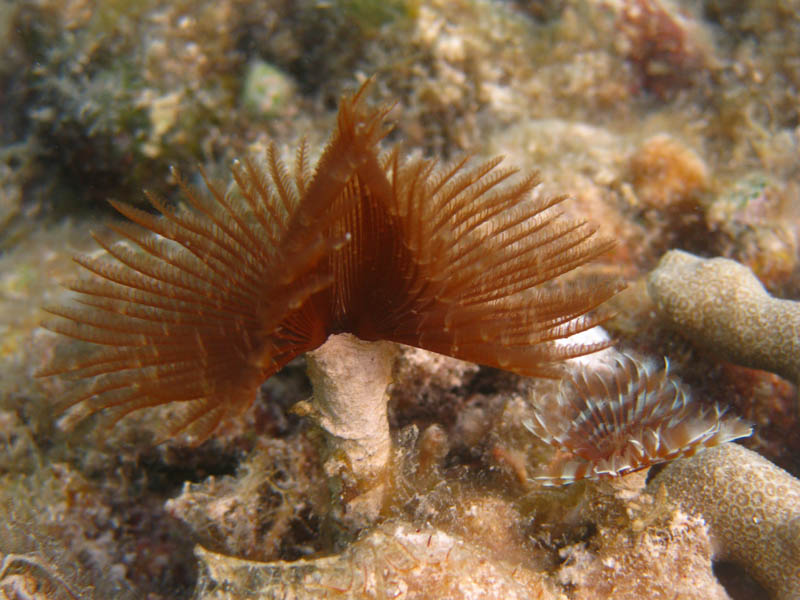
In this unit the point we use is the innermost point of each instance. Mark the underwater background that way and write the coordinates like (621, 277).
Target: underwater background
(670, 125)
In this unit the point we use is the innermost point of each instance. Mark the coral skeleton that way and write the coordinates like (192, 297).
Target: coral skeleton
(722, 307)
(622, 417)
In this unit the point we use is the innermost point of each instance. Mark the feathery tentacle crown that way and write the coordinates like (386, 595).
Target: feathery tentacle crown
(627, 417)
(456, 259)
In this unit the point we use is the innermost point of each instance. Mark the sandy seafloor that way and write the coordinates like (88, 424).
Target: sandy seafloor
(670, 124)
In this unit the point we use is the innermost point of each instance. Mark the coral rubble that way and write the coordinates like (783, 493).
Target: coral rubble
(667, 561)
(268, 511)
(396, 560)
(57, 540)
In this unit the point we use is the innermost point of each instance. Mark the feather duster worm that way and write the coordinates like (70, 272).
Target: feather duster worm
(625, 418)
(205, 302)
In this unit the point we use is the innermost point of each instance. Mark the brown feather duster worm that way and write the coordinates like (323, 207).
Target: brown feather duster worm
(623, 418)
(198, 306)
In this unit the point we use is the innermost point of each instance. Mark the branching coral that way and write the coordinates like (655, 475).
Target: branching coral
(456, 259)
(752, 509)
(721, 307)
(625, 417)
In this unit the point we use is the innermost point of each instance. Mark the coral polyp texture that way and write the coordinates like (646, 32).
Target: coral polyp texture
(723, 308)
(751, 507)
(622, 417)
(202, 304)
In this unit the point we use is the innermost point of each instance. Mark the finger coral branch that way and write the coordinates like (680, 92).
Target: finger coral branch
(623, 418)
(751, 507)
(198, 306)
(722, 307)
